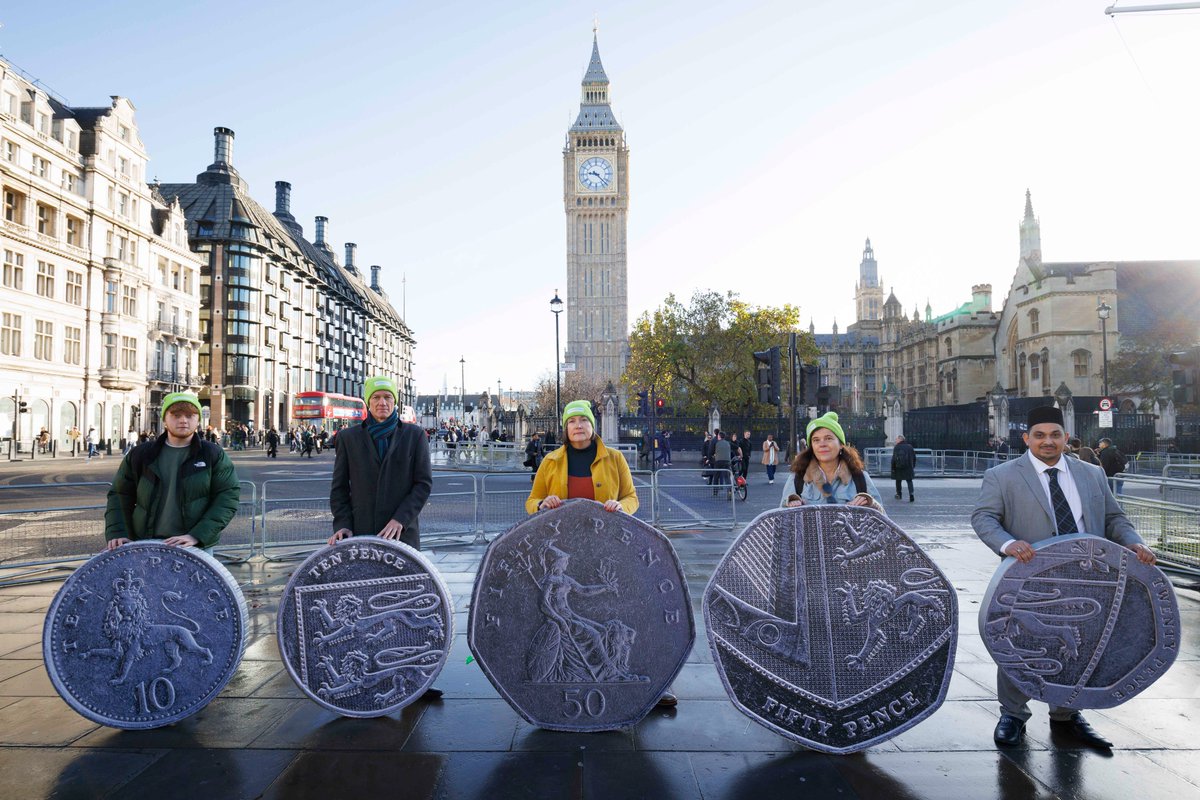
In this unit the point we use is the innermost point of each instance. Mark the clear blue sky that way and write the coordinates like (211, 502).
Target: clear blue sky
(769, 139)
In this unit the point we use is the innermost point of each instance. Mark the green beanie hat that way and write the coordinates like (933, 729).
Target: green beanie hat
(379, 383)
(830, 421)
(180, 397)
(578, 408)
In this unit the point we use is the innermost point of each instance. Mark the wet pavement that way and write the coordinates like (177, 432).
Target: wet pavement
(263, 738)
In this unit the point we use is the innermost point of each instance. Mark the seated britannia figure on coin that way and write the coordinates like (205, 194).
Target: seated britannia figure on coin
(569, 647)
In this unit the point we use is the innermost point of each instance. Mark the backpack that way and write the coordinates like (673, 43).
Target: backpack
(901, 460)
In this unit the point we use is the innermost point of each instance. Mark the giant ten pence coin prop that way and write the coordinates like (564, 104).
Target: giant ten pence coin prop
(1082, 625)
(831, 627)
(144, 635)
(581, 617)
(365, 626)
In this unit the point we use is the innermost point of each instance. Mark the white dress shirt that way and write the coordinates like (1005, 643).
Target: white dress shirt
(1065, 482)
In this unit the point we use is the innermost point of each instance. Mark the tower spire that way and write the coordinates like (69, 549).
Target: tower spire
(1031, 233)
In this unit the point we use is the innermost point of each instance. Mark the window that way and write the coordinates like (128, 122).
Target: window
(123, 132)
(1080, 359)
(41, 167)
(129, 301)
(43, 340)
(1034, 368)
(110, 350)
(14, 270)
(129, 353)
(11, 152)
(1034, 324)
(45, 220)
(110, 297)
(45, 279)
(71, 345)
(175, 277)
(122, 205)
(162, 270)
(70, 181)
(123, 166)
(14, 206)
(74, 288)
(949, 347)
(10, 334)
(74, 231)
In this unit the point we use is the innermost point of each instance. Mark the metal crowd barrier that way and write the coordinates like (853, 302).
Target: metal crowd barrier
(489, 456)
(1172, 530)
(1155, 463)
(36, 542)
(685, 498)
(936, 463)
(1149, 487)
(296, 517)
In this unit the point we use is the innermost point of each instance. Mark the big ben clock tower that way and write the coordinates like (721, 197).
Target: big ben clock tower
(596, 198)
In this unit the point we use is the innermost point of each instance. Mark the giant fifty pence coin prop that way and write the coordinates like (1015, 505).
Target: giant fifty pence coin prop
(1082, 625)
(144, 635)
(365, 626)
(830, 626)
(581, 618)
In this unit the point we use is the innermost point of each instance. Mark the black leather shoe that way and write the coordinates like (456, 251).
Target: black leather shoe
(898, 497)
(1078, 728)
(1009, 731)
(668, 700)
(911, 499)
(432, 693)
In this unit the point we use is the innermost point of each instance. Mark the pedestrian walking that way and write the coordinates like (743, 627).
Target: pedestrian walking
(272, 443)
(382, 475)
(829, 470)
(706, 454)
(904, 465)
(93, 442)
(721, 460)
(178, 488)
(584, 467)
(1032, 498)
(1113, 462)
(533, 454)
(666, 448)
(73, 436)
(770, 456)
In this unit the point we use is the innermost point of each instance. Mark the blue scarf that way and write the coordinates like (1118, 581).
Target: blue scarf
(381, 432)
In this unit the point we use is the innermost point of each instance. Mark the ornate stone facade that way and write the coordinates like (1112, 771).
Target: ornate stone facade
(596, 201)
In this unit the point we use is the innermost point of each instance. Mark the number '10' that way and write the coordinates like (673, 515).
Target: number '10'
(158, 697)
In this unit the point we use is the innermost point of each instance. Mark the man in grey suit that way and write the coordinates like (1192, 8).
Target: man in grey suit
(1032, 498)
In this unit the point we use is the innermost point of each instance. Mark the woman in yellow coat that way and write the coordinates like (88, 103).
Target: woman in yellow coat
(582, 467)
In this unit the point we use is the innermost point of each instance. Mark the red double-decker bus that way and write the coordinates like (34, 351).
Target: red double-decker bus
(327, 410)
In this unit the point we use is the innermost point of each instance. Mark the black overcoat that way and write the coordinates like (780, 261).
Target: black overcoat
(366, 492)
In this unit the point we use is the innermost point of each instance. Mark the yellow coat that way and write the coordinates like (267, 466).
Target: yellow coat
(610, 478)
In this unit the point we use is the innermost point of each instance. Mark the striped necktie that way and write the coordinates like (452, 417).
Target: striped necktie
(1064, 520)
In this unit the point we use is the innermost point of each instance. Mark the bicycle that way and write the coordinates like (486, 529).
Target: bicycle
(740, 488)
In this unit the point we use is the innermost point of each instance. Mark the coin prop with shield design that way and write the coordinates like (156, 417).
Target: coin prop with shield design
(830, 626)
(144, 635)
(1082, 625)
(365, 626)
(581, 618)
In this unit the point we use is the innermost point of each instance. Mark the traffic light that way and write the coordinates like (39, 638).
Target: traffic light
(810, 382)
(22, 407)
(643, 403)
(768, 375)
(658, 406)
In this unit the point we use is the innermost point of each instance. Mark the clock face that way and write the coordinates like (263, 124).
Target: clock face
(596, 173)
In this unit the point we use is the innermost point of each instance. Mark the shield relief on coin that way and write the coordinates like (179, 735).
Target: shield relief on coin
(581, 618)
(830, 626)
(1082, 625)
(364, 626)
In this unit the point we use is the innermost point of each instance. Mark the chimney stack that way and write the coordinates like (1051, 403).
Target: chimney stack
(224, 146)
(351, 248)
(321, 223)
(283, 197)
(375, 277)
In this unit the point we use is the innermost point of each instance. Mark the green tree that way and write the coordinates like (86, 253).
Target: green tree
(1142, 366)
(701, 353)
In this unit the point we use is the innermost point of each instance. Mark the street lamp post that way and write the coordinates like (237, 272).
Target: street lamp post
(462, 390)
(1104, 310)
(556, 307)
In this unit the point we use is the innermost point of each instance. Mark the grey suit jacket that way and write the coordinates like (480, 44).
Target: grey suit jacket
(1013, 505)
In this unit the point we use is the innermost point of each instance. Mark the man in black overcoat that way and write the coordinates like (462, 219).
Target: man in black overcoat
(381, 473)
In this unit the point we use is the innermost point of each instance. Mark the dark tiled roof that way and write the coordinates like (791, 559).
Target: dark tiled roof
(825, 341)
(1152, 295)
